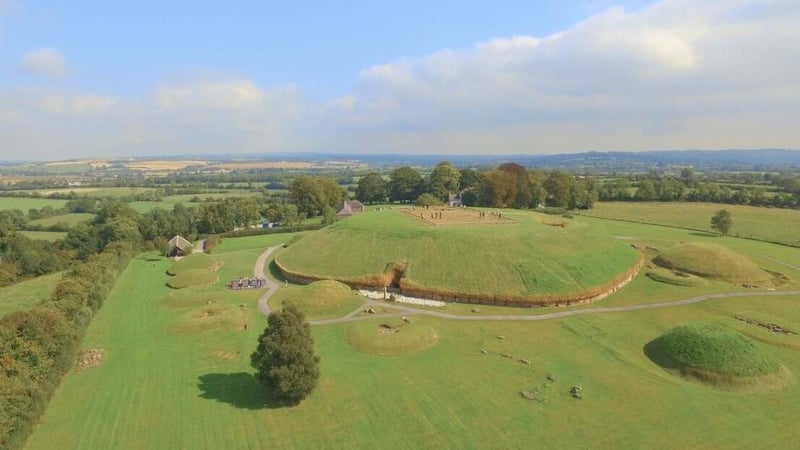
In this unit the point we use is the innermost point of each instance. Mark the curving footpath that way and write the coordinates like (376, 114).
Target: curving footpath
(258, 270)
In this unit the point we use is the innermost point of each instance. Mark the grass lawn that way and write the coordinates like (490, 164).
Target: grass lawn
(44, 235)
(25, 294)
(749, 221)
(176, 369)
(165, 385)
(67, 219)
(24, 204)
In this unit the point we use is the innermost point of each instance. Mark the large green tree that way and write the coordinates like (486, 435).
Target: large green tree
(405, 184)
(284, 359)
(371, 188)
(312, 194)
(722, 222)
(443, 180)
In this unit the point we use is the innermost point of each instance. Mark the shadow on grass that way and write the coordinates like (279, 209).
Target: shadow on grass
(654, 353)
(703, 234)
(274, 272)
(241, 390)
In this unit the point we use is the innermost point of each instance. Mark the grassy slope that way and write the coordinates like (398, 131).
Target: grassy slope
(26, 294)
(192, 262)
(713, 261)
(520, 259)
(749, 221)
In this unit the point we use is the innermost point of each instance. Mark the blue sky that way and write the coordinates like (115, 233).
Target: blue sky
(91, 78)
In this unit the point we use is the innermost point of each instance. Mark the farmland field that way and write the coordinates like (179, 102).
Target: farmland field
(67, 219)
(26, 294)
(24, 204)
(770, 224)
(176, 369)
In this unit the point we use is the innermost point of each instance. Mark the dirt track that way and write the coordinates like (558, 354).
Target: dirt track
(272, 286)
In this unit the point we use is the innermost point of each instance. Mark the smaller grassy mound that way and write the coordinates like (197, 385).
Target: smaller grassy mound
(209, 318)
(390, 336)
(676, 278)
(194, 261)
(713, 261)
(319, 300)
(716, 354)
(192, 277)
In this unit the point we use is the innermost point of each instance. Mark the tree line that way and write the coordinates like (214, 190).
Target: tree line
(508, 186)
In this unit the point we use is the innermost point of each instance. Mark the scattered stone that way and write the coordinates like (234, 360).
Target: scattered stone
(551, 377)
(576, 392)
(506, 355)
(370, 311)
(209, 302)
(406, 319)
(502, 338)
(484, 351)
(530, 395)
(525, 361)
(476, 310)
(90, 358)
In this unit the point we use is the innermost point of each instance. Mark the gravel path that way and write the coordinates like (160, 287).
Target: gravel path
(258, 270)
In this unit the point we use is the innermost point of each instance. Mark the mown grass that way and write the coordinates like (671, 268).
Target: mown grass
(523, 258)
(192, 277)
(319, 300)
(391, 336)
(161, 390)
(195, 261)
(25, 294)
(749, 221)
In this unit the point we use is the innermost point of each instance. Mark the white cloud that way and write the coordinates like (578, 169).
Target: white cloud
(45, 62)
(677, 74)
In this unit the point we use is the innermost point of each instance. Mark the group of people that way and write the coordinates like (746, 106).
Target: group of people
(247, 283)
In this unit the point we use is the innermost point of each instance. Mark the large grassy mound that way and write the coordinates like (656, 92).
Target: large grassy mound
(712, 261)
(714, 353)
(192, 277)
(192, 262)
(319, 300)
(523, 259)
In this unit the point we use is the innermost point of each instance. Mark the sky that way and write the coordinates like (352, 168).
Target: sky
(104, 79)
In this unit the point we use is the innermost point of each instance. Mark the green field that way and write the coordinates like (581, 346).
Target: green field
(66, 219)
(24, 204)
(26, 294)
(176, 368)
(770, 224)
(520, 259)
(44, 235)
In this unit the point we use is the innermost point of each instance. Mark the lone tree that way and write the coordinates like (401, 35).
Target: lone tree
(722, 222)
(284, 359)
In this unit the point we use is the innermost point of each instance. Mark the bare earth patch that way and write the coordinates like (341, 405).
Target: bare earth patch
(90, 358)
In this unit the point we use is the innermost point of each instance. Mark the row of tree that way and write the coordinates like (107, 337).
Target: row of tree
(508, 186)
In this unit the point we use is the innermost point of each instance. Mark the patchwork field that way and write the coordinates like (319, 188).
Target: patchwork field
(176, 368)
(24, 204)
(66, 219)
(770, 224)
